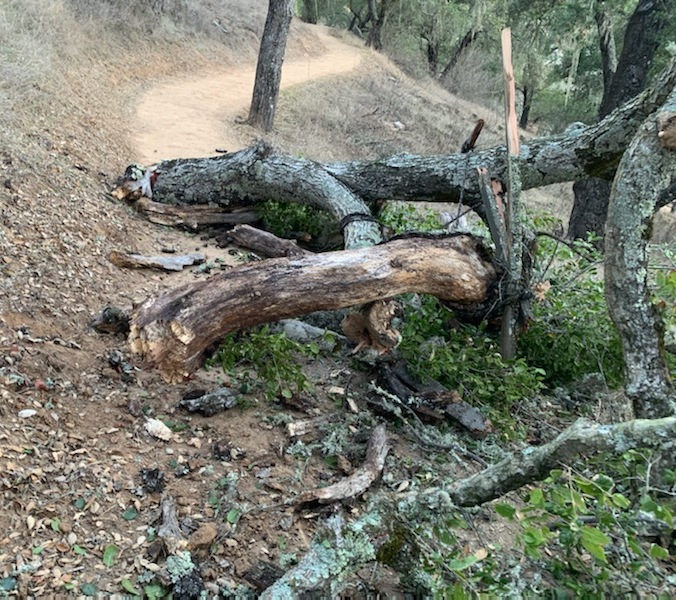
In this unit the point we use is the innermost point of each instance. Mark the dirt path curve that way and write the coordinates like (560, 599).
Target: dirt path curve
(191, 116)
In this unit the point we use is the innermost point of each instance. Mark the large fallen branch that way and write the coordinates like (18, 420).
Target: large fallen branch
(174, 330)
(347, 189)
(327, 566)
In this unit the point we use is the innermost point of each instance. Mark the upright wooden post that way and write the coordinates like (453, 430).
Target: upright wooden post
(512, 204)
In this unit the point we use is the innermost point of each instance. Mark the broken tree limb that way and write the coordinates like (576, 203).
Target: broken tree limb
(174, 330)
(535, 463)
(264, 242)
(163, 263)
(347, 189)
(253, 175)
(355, 545)
(193, 217)
(357, 483)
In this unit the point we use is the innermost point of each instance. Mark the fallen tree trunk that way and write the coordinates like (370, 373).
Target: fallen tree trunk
(347, 189)
(174, 330)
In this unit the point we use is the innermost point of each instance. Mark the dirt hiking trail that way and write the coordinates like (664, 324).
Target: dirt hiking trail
(192, 116)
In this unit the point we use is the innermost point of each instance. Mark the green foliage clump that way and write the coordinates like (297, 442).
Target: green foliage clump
(288, 219)
(571, 334)
(404, 217)
(270, 357)
(591, 530)
(466, 359)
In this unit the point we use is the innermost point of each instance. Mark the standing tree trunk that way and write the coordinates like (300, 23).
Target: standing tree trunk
(641, 39)
(377, 16)
(464, 43)
(606, 45)
(644, 175)
(310, 12)
(269, 68)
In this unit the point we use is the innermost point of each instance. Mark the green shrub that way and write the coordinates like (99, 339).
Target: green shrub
(572, 334)
(288, 219)
(259, 358)
(465, 358)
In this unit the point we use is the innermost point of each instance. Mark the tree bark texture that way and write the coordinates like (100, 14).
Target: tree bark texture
(347, 189)
(355, 545)
(256, 174)
(641, 39)
(590, 208)
(647, 169)
(174, 330)
(269, 67)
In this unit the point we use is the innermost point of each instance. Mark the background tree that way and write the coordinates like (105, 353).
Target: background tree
(641, 39)
(269, 67)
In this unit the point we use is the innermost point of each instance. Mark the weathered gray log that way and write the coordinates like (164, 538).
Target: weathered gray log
(645, 172)
(347, 189)
(174, 330)
(253, 175)
(588, 151)
(353, 546)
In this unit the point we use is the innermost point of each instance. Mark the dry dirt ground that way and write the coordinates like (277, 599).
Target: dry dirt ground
(73, 442)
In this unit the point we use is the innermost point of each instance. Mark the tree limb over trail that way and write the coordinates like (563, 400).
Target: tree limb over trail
(347, 189)
(174, 330)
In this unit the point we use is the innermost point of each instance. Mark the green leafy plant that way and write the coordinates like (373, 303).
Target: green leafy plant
(403, 217)
(260, 358)
(467, 359)
(288, 219)
(571, 334)
(588, 531)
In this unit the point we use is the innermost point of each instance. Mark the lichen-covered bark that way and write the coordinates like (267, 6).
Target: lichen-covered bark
(587, 151)
(354, 546)
(647, 169)
(535, 462)
(257, 174)
(346, 189)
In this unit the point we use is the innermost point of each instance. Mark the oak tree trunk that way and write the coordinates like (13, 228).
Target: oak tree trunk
(645, 173)
(269, 67)
(641, 39)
